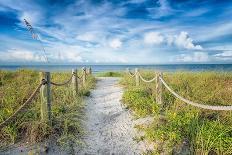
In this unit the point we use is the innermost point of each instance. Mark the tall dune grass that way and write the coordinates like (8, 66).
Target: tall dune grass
(67, 110)
(179, 128)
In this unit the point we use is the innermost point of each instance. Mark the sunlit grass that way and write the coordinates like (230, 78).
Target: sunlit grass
(109, 74)
(67, 109)
(180, 125)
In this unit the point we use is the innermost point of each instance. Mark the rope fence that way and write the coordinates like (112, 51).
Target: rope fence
(160, 81)
(22, 107)
(64, 83)
(131, 74)
(44, 88)
(147, 81)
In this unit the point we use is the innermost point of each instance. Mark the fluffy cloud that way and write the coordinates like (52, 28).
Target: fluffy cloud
(153, 38)
(194, 57)
(94, 27)
(115, 43)
(181, 41)
(184, 41)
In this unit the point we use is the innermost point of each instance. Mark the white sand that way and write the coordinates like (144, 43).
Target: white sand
(110, 128)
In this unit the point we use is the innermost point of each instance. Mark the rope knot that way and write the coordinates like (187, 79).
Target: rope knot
(44, 82)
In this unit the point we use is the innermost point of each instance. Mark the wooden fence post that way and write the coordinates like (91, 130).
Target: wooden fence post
(74, 82)
(43, 108)
(127, 70)
(49, 96)
(1, 81)
(159, 88)
(90, 70)
(45, 94)
(84, 75)
(137, 76)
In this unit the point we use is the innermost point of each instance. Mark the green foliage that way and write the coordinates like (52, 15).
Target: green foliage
(67, 109)
(140, 101)
(110, 74)
(177, 125)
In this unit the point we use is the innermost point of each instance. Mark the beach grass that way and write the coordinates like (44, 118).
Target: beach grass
(177, 126)
(67, 109)
(109, 74)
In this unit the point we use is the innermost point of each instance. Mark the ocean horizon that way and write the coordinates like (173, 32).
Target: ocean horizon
(113, 67)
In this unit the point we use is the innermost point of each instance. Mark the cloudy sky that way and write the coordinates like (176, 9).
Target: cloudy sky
(114, 31)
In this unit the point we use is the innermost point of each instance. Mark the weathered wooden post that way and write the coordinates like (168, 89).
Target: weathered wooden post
(127, 70)
(43, 108)
(90, 70)
(137, 76)
(45, 94)
(1, 81)
(74, 82)
(84, 75)
(159, 88)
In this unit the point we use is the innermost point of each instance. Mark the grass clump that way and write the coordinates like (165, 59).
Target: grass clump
(179, 128)
(67, 109)
(141, 101)
(109, 74)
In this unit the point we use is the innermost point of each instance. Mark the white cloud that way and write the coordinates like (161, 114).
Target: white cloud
(86, 37)
(65, 53)
(181, 41)
(115, 43)
(20, 55)
(27, 10)
(224, 54)
(195, 57)
(71, 57)
(164, 8)
(215, 31)
(184, 41)
(153, 38)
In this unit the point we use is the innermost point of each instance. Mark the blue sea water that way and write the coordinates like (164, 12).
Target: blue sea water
(103, 68)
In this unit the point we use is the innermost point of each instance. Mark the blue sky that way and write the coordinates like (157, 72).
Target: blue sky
(129, 31)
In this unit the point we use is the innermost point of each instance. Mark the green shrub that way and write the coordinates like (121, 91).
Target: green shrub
(203, 131)
(140, 101)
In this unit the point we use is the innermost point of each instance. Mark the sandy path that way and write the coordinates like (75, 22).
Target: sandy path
(109, 126)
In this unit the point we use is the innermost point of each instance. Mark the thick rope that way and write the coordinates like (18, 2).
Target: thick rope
(147, 81)
(22, 107)
(64, 83)
(193, 103)
(79, 77)
(131, 74)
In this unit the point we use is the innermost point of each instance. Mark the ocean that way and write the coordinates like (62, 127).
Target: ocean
(104, 68)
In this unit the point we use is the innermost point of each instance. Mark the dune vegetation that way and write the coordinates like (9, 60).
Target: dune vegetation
(109, 74)
(179, 128)
(67, 109)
